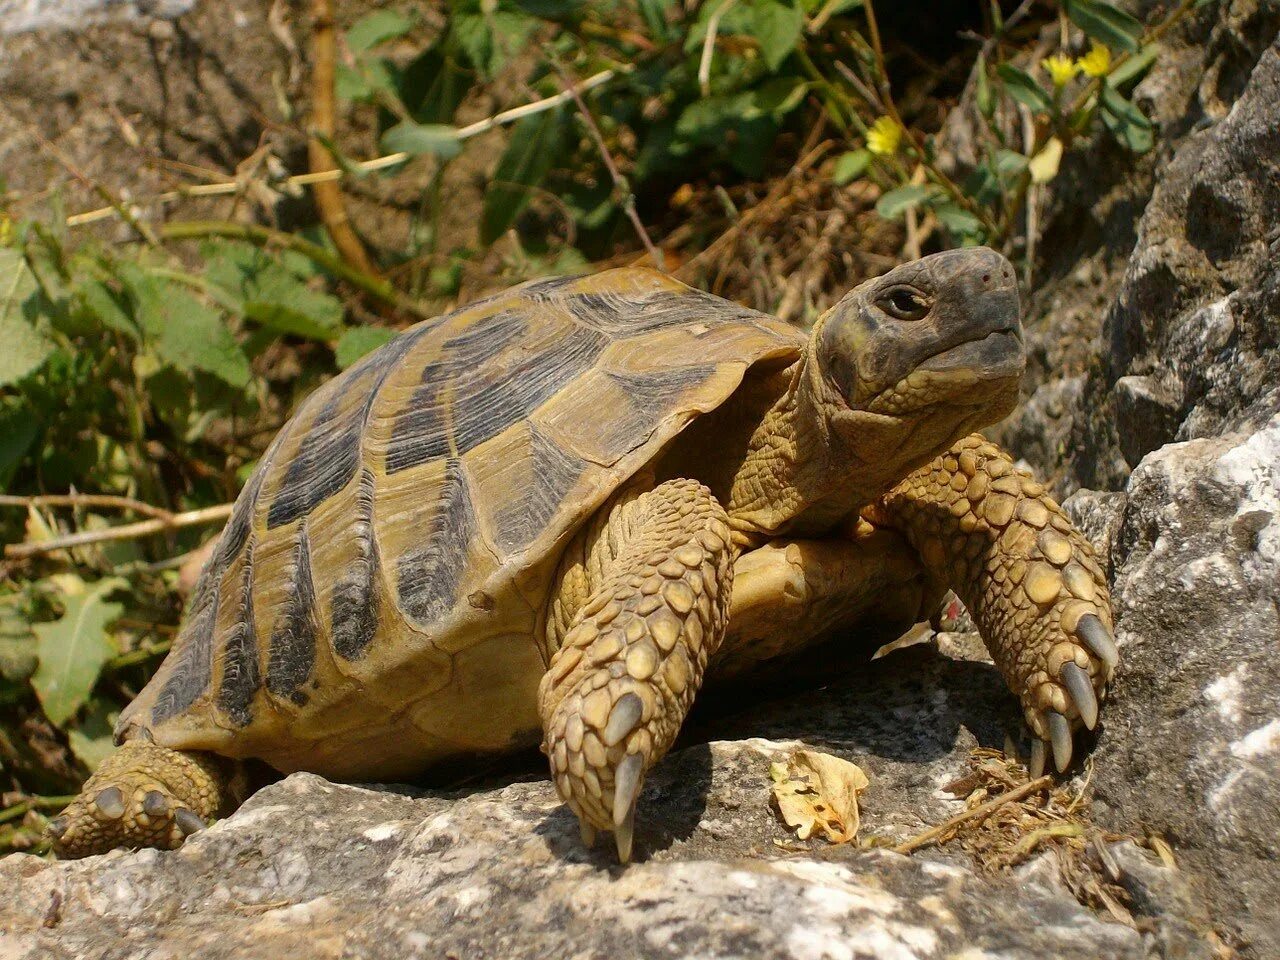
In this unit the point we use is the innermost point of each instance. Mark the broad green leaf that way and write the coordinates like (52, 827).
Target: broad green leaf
(534, 145)
(23, 348)
(1106, 23)
(776, 26)
(957, 219)
(850, 166)
(1127, 123)
(1023, 88)
(183, 331)
(264, 291)
(709, 117)
(489, 39)
(1010, 162)
(417, 138)
(358, 341)
(18, 428)
(101, 303)
(91, 738)
(897, 202)
(433, 85)
(375, 28)
(73, 649)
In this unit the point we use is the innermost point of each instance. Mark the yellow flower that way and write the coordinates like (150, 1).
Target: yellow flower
(1061, 69)
(884, 137)
(1095, 63)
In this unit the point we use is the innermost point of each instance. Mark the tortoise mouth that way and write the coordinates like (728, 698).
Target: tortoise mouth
(969, 374)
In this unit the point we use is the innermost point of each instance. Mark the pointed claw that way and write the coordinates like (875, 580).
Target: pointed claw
(110, 803)
(588, 833)
(1081, 689)
(622, 836)
(1035, 766)
(626, 788)
(57, 827)
(1097, 639)
(155, 804)
(623, 718)
(188, 822)
(1060, 735)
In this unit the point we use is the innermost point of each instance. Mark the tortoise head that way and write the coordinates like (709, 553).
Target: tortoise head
(940, 335)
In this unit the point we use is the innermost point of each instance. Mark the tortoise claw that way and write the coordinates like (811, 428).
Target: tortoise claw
(622, 836)
(1060, 737)
(155, 804)
(623, 718)
(1098, 639)
(628, 779)
(588, 833)
(57, 827)
(109, 804)
(188, 822)
(1080, 687)
(1035, 766)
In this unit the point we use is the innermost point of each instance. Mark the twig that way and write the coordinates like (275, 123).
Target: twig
(886, 94)
(364, 166)
(709, 46)
(619, 181)
(329, 203)
(98, 500)
(128, 531)
(979, 812)
(22, 808)
(377, 287)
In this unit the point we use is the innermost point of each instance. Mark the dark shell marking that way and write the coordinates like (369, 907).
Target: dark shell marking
(457, 421)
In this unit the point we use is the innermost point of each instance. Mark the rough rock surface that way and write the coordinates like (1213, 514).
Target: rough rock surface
(1191, 747)
(358, 873)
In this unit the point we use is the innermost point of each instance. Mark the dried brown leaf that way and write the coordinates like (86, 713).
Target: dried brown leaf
(816, 793)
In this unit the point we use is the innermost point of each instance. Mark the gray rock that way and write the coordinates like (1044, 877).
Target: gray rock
(1191, 743)
(17, 16)
(357, 873)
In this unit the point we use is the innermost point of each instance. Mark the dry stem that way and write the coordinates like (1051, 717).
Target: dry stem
(980, 811)
(128, 531)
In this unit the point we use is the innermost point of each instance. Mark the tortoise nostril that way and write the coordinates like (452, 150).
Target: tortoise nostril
(986, 278)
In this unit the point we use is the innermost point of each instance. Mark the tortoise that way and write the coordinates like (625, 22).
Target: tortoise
(551, 514)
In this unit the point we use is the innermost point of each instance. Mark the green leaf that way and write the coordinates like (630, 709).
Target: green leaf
(488, 40)
(23, 348)
(102, 304)
(73, 649)
(985, 98)
(418, 138)
(1133, 68)
(1125, 121)
(18, 428)
(776, 26)
(957, 219)
(897, 202)
(91, 739)
(358, 341)
(1010, 162)
(375, 28)
(18, 659)
(850, 166)
(264, 291)
(1106, 23)
(1023, 88)
(183, 331)
(534, 144)
(655, 18)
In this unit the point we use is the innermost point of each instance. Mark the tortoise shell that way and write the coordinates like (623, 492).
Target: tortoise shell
(373, 603)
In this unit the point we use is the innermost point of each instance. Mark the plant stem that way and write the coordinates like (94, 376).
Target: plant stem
(128, 531)
(982, 811)
(329, 203)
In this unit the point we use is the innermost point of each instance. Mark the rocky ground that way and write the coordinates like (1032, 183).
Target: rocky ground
(1155, 332)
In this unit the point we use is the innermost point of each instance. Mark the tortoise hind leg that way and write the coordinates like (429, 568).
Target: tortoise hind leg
(618, 689)
(143, 795)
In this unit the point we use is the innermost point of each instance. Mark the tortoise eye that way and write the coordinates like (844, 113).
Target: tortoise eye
(904, 303)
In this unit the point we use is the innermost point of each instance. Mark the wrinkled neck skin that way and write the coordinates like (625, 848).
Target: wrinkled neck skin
(813, 462)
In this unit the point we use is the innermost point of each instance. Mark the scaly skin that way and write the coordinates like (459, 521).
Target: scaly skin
(1028, 577)
(143, 795)
(628, 668)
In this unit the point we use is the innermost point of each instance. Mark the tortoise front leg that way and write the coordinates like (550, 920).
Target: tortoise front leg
(660, 574)
(143, 795)
(1029, 578)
